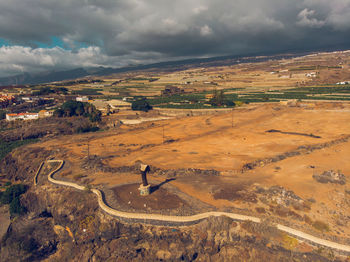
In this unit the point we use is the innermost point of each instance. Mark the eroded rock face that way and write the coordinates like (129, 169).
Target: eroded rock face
(330, 176)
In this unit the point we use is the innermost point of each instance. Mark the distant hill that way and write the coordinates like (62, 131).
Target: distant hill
(44, 77)
(52, 76)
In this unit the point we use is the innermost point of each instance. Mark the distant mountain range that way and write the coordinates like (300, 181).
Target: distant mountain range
(52, 76)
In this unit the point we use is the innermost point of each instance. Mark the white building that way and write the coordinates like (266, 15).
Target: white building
(312, 74)
(82, 99)
(23, 116)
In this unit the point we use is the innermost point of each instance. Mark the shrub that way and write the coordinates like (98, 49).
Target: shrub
(229, 103)
(16, 208)
(12, 192)
(289, 242)
(238, 103)
(260, 210)
(87, 129)
(321, 226)
(79, 176)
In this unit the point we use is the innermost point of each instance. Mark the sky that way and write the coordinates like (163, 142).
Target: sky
(41, 35)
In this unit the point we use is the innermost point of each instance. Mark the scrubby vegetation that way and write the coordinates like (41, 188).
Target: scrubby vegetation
(11, 196)
(7, 146)
(321, 226)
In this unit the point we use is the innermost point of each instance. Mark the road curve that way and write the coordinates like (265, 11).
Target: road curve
(37, 173)
(194, 218)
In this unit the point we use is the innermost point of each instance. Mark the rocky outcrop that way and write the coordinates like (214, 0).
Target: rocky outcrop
(330, 177)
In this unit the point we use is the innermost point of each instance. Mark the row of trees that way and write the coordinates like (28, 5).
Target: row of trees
(46, 90)
(76, 108)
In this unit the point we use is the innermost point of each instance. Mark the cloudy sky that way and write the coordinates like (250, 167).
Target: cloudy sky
(37, 35)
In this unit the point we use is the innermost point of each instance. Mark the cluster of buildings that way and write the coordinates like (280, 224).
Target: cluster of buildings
(110, 106)
(29, 116)
(172, 90)
(6, 100)
(312, 74)
(343, 83)
(107, 106)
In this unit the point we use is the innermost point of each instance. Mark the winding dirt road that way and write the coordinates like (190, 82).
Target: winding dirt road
(144, 218)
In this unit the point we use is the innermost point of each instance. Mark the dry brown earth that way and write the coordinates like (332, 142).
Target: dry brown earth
(210, 142)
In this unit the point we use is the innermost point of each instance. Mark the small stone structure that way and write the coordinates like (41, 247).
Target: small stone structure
(145, 188)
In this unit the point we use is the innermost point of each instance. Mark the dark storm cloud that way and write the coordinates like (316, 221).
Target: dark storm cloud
(119, 32)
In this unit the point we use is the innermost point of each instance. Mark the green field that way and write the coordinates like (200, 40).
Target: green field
(198, 100)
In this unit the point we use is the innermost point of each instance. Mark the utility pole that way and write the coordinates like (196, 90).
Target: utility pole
(88, 148)
(232, 117)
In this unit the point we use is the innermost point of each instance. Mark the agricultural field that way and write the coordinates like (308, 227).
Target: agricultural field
(311, 77)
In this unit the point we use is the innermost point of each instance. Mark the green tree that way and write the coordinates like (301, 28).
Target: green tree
(95, 116)
(58, 112)
(16, 208)
(75, 108)
(12, 196)
(218, 98)
(12, 192)
(141, 105)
